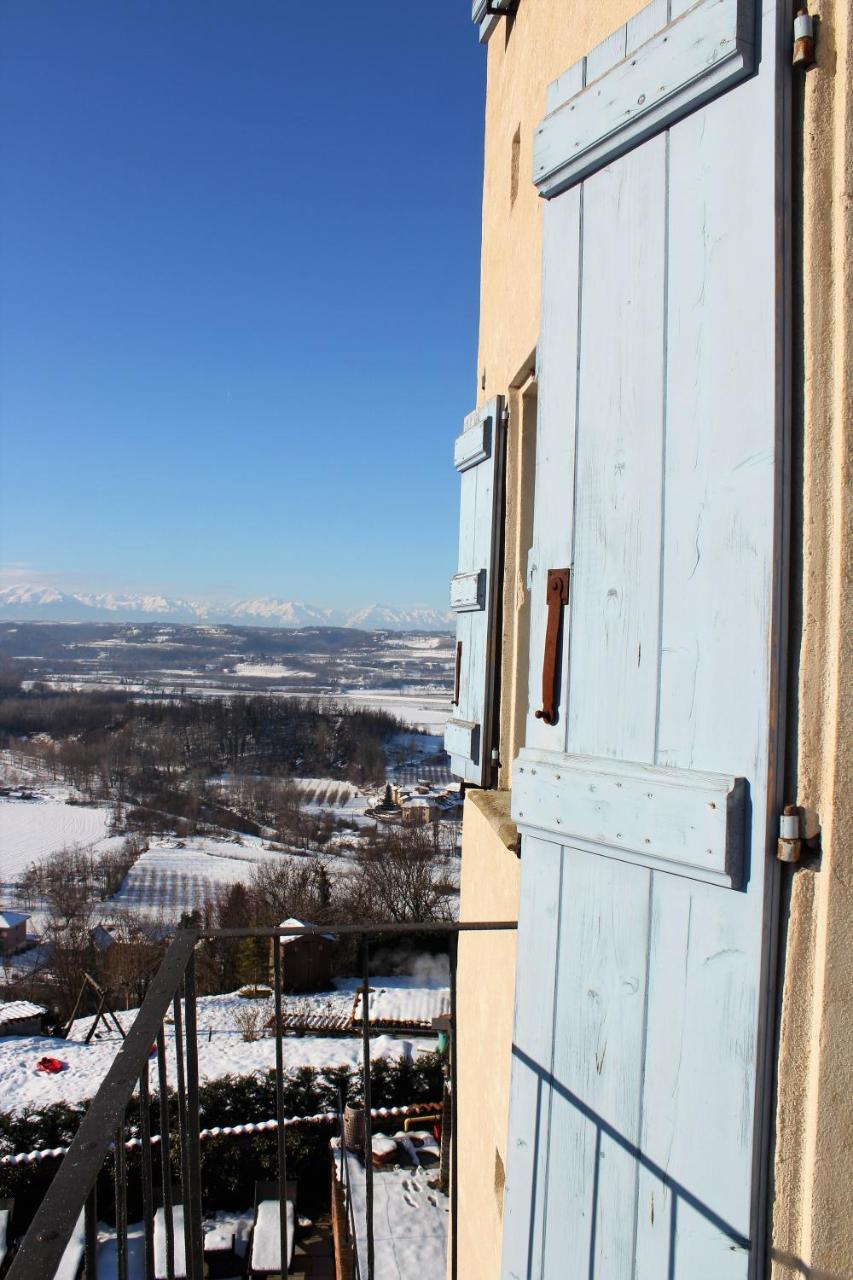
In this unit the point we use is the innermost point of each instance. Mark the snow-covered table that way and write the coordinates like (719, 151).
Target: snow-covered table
(160, 1268)
(266, 1240)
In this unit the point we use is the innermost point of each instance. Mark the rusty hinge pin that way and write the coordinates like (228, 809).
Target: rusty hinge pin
(803, 40)
(789, 845)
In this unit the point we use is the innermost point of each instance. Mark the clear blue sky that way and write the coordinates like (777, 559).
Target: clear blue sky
(239, 276)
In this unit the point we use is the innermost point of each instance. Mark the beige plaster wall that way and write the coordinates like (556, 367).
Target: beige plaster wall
(524, 56)
(490, 877)
(812, 1224)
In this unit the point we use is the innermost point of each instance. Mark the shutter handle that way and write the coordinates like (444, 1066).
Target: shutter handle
(458, 673)
(557, 594)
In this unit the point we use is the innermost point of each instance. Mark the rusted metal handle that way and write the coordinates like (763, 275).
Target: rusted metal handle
(557, 597)
(458, 673)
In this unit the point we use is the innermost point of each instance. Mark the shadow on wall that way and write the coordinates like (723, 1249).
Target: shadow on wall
(802, 1268)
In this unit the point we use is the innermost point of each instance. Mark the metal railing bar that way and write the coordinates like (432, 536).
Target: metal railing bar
(448, 926)
(42, 1248)
(368, 1122)
(180, 1081)
(196, 1261)
(121, 1203)
(279, 1110)
(165, 1155)
(90, 1254)
(347, 1191)
(454, 1114)
(146, 1168)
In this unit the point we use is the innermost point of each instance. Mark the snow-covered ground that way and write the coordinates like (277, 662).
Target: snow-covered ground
(427, 713)
(221, 1051)
(271, 671)
(410, 1220)
(34, 829)
(174, 876)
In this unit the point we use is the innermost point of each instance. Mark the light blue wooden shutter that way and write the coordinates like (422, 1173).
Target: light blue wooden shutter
(486, 14)
(478, 457)
(639, 1100)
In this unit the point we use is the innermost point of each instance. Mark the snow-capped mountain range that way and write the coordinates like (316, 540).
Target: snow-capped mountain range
(22, 603)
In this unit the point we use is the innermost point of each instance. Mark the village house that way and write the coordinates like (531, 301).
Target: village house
(13, 931)
(652, 710)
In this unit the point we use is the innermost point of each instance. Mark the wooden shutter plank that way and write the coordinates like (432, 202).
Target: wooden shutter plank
(598, 1030)
(616, 587)
(530, 1094)
(555, 444)
(701, 53)
(678, 820)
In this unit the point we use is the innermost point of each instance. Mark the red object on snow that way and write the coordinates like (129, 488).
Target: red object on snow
(50, 1066)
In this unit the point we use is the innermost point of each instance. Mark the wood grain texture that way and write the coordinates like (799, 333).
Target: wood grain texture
(468, 591)
(679, 820)
(700, 54)
(615, 609)
(530, 1090)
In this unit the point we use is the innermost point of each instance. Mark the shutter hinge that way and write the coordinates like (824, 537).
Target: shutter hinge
(789, 846)
(803, 40)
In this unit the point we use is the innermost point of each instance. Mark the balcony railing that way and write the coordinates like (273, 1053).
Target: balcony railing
(72, 1198)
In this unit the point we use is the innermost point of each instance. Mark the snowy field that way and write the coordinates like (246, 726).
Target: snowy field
(426, 713)
(221, 1050)
(174, 876)
(410, 1220)
(34, 829)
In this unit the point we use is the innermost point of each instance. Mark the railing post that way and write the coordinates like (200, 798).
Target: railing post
(165, 1154)
(195, 1263)
(279, 1109)
(121, 1203)
(145, 1171)
(91, 1220)
(368, 1121)
(454, 1112)
(180, 1080)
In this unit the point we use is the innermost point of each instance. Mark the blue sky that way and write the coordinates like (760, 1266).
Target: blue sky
(239, 275)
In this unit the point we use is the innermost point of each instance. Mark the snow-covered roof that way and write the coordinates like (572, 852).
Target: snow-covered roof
(403, 1003)
(293, 923)
(8, 919)
(14, 1010)
(419, 802)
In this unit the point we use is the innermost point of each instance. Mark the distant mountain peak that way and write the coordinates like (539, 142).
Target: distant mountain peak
(27, 602)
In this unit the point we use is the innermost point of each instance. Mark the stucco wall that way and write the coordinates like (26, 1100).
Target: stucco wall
(812, 1230)
(490, 878)
(524, 56)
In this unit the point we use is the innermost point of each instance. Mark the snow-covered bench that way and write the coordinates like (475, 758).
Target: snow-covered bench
(160, 1265)
(266, 1235)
